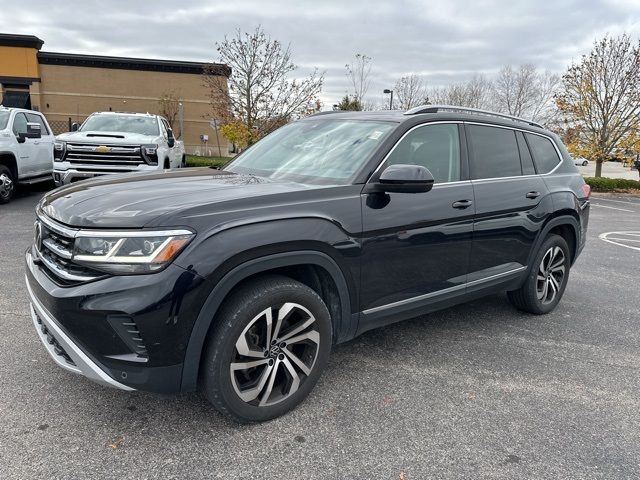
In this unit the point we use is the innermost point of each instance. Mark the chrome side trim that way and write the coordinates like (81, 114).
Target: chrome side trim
(442, 292)
(84, 365)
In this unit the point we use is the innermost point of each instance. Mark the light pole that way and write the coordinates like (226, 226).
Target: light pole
(386, 90)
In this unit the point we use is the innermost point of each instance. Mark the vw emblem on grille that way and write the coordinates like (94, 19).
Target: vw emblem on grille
(38, 236)
(103, 149)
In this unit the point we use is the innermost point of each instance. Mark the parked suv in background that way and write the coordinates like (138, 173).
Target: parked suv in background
(26, 150)
(240, 280)
(115, 142)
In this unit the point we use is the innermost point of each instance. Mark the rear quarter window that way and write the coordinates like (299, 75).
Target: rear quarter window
(544, 153)
(495, 152)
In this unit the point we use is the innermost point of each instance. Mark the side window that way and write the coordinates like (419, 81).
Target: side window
(495, 152)
(525, 156)
(436, 147)
(163, 129)
(19, 124)
(544, 153)
(35, 118)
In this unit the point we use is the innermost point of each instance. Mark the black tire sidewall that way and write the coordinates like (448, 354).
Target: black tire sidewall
(531, 284)
(234, 317)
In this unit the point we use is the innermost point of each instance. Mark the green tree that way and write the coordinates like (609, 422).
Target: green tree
(349, 103)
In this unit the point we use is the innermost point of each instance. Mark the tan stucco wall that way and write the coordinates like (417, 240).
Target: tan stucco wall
(75, 92)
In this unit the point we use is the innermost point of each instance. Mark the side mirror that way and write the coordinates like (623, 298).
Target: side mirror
(403, 179)
(75, 126)
(171, 140)
(34, 130)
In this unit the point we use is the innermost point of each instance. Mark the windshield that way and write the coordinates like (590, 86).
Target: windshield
(4, 118)
(319, 151)
(121, 123)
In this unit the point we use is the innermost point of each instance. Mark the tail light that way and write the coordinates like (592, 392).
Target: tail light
(586, 190)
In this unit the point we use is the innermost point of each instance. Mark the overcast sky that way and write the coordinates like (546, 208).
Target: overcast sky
(445, 40)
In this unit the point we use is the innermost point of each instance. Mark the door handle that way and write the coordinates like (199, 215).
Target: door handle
(533, 195)
(461, 204)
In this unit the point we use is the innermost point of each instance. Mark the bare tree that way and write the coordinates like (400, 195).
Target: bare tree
(358, 72)
(410, 91)
(169, 108)
(260, 96)
(474, 93)
(525, 92)
(600, 98)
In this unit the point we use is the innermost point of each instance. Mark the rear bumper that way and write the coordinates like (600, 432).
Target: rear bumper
(64, 351)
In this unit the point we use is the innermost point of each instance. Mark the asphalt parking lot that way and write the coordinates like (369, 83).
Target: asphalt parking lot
(476, 391)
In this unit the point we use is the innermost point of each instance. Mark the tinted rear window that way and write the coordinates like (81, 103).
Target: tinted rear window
(525, 156)
(544, 153)
(495, 152)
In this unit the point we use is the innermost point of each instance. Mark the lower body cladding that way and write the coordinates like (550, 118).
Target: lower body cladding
(65, 173)
(129, 332)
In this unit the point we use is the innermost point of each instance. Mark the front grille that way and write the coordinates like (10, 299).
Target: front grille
(54, 247)
(91, 154)
(51, 340)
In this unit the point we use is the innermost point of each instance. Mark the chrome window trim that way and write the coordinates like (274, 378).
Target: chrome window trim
(483, 124)
(534, 161)
(442, 291)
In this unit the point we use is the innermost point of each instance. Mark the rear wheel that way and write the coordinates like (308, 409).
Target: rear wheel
(547, 279)
(270, 345)
(585, 163)
(7, 184)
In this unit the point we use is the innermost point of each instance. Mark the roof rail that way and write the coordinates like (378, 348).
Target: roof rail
(477, 111)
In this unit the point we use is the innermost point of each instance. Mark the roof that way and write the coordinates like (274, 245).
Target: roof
(129, 63)
(13, 40)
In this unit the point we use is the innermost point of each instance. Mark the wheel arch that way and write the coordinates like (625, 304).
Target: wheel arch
(307, 266)
(9, 159)
(564, 223)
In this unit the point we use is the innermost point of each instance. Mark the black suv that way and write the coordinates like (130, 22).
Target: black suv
(239, 280)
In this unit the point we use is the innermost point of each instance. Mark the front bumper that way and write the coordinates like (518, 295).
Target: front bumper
(63, 349)
(64, 173)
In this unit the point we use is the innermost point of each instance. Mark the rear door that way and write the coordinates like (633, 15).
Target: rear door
(415, 246)
(512, 202)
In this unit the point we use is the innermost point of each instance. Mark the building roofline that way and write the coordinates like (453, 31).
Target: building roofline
(127, 63)
(14, 40)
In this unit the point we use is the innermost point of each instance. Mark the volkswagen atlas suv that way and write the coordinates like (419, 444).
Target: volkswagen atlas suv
(239, 281)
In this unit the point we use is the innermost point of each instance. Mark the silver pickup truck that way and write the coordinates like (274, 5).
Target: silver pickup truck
(116, 142)
(26, 150)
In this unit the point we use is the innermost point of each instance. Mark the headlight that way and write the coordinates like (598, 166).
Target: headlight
(59, 149)
(129, 252)
(151, 149)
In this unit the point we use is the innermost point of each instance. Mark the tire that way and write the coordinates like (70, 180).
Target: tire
(551, 268)
(585, 163)
(183, 163)
(7, 184)
(241, 326)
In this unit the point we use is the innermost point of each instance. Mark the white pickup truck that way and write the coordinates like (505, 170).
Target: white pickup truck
(116, 142)
(26, 150)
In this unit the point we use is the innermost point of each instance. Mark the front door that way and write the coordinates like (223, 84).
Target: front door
(415, 247)
(43, 146)
(27, 151)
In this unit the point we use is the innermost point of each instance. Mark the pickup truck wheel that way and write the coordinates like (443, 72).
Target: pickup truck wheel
(7, 185)
(547, 279)
(270, 344)
(183, 164)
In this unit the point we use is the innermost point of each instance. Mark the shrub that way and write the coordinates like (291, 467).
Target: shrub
(602, 184)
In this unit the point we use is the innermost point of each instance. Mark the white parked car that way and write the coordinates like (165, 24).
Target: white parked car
(26, 149)
(581, 161)
(116, 142)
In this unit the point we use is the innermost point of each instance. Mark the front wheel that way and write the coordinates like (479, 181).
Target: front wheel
(585, 163)
(269, 346)
(547, 279)
(7, 184)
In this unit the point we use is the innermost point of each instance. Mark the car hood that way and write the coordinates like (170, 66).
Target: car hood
(112, 138)
(157, 199)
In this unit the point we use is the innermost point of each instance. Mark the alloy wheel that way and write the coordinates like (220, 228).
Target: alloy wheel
(6, 186)
(274, 354)
(551, 274)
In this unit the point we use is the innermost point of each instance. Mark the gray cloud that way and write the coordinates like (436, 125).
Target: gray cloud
(442, 39)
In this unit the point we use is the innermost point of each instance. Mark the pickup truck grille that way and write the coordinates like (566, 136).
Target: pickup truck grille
(54, 247)
(91, 154)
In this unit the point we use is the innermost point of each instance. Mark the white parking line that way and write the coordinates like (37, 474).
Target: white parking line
(616, 240)
(617, 201)
(612, 208)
